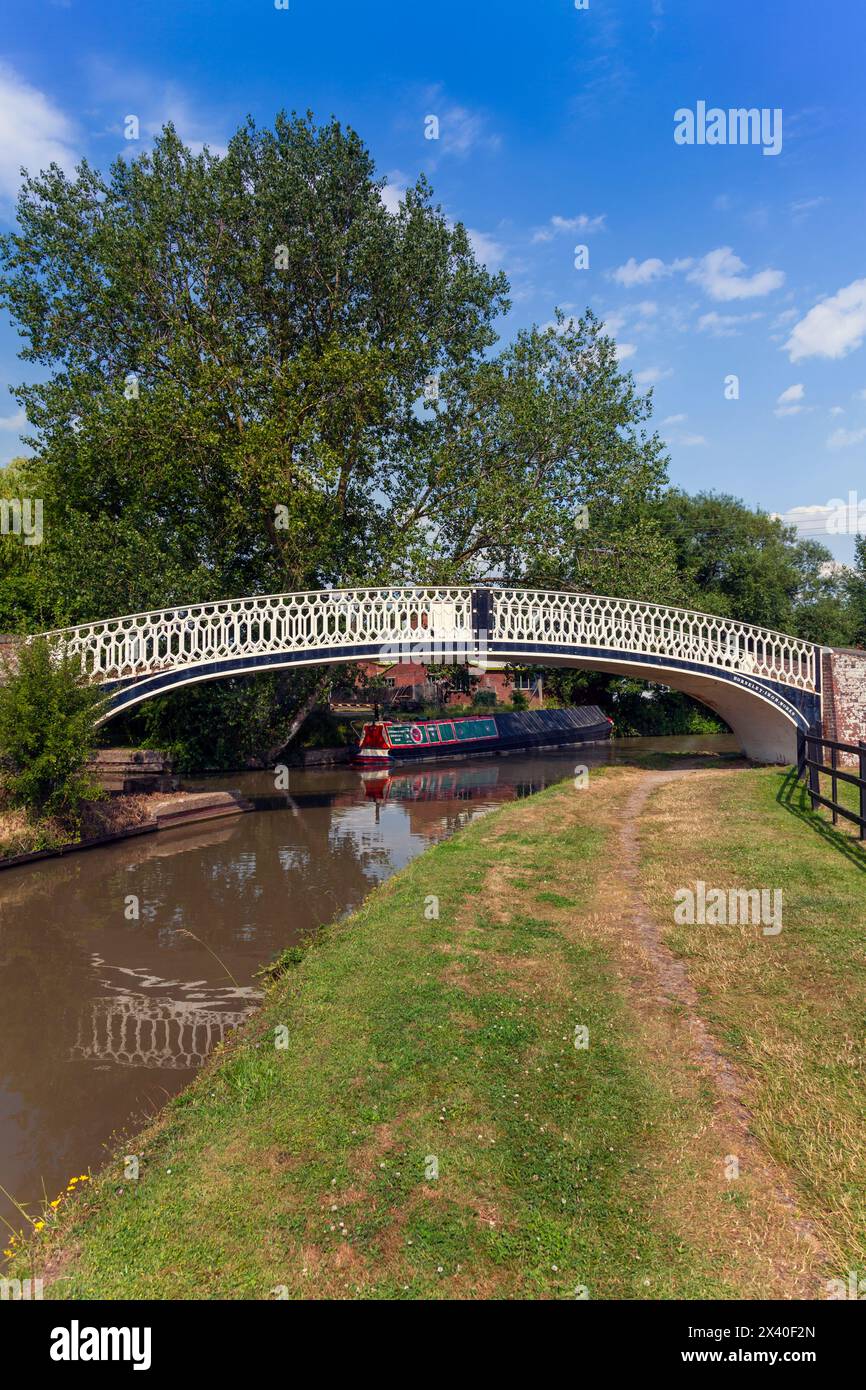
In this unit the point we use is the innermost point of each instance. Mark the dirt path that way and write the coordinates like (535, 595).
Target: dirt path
(665, 997)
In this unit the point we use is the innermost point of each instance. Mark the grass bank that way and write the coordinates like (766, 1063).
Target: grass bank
(430, 1130)
(789, 1009)
(21, 833)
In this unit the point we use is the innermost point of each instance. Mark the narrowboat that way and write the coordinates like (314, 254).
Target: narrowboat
(384, 742)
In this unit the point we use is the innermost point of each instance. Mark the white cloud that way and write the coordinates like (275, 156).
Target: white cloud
(16, 422)
(833, 327)
(792, 393)
(684, 438)
(651, 375)
(461, 130)
(33, 132)
(719, 273)
(391, 196)
(724, 325)
(558, 225)
(809, 518)
(806, 205)
(613, 325)
(644, 272)
(126, 91)
(845, 439)
(790, 401)
(831, 568)
(487, 249)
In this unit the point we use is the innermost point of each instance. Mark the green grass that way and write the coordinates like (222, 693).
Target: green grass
(790, 1010)
(448, 1044)
(847, 796)
(412, 1040)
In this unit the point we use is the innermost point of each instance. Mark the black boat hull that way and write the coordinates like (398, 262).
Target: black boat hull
(521, 730)
(600, 733)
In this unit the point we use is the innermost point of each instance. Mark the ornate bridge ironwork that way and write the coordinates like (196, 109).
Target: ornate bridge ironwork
(731, 666)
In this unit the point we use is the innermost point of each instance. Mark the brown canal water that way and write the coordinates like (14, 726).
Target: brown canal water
(106, 1014)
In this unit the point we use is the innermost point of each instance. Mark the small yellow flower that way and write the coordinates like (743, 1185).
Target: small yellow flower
(55, 1203)
(7, 1252)
(38, 1225)
(85, 1177)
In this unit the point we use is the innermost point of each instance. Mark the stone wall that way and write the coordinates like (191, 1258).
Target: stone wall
(843, 674)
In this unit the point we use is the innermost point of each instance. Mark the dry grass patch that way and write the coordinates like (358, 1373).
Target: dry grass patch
(782, 1007)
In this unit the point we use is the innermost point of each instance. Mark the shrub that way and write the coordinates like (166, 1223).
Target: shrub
(484, 699)
(48, 716)
(519, 700)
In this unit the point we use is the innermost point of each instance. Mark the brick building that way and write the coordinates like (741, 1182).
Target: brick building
(408, 683)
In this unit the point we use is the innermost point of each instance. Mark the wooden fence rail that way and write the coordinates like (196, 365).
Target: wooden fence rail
(810, 765)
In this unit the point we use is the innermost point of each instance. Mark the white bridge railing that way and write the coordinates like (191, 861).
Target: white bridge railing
(408, 619)
(649, 629)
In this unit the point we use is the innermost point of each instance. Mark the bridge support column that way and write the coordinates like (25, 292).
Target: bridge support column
(843, 671)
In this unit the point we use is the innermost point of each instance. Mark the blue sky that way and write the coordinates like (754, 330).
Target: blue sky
(556, 129)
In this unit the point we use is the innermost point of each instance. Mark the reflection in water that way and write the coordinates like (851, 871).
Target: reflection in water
(133, 1031)
(432, 784)
(171, 1024)
(107, 1011)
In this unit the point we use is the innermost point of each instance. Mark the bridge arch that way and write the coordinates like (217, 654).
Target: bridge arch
(764, 684)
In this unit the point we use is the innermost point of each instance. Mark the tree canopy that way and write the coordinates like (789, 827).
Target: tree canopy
(253, 376)
(258, 378)
(749, 565)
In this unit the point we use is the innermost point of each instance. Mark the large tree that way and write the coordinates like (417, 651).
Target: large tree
(237, 351)
(236, 347)
(255, 377)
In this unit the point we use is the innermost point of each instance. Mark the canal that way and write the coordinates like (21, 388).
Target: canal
(121, 967)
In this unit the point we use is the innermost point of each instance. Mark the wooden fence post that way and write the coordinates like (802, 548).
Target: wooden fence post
(814, 738)
(834, 792)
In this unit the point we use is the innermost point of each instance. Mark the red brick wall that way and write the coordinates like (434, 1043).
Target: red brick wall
(828, 687)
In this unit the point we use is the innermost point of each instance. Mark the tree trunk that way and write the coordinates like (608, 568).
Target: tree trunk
(301, 715)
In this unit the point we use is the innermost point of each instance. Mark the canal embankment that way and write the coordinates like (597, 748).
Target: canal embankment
(122, 816)
(512, 1074)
